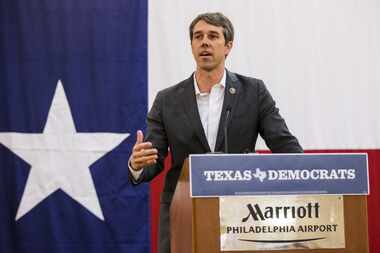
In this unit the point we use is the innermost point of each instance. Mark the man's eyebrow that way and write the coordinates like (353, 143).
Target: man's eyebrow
(208, 32)
(213, 32)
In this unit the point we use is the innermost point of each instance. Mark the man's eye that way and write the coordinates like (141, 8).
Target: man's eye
(198, 37)
(213, 36)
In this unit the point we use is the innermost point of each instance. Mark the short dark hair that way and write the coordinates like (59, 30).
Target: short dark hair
(216, 19)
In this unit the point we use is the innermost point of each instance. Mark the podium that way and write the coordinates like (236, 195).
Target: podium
(195, 227)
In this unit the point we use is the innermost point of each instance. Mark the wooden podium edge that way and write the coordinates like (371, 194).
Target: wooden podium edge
(191, 232)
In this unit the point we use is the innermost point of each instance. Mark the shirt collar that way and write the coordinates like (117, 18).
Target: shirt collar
(222, 83)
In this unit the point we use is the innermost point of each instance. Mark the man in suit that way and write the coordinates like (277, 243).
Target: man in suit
(189, 118)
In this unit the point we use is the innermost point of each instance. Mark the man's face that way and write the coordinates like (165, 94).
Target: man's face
(209, 46)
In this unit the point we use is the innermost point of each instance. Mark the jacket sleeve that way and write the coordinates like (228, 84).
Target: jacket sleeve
(155, 134)
(272, 126)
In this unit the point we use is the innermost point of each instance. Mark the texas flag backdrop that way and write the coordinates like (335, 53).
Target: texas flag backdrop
(73, 87)
(77, 79)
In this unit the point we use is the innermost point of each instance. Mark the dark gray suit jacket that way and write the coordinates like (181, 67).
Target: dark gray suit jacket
(174, 123)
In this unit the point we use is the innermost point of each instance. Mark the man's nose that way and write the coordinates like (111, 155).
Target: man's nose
(205, 42)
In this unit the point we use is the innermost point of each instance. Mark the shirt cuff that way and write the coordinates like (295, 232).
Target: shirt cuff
(135, 173)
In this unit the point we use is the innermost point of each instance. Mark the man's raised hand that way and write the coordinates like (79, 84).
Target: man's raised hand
(143, 153)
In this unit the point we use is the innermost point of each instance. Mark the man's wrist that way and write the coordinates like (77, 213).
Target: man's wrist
(131, 166)
(135, 173)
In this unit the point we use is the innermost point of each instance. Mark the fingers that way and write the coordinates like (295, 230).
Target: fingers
(143, 153)
(139, 146)
(139, 137)
(143, 158)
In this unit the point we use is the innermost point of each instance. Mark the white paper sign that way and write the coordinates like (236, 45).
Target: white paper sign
(281, 222)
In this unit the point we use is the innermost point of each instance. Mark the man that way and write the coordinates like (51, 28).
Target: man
(188, 118)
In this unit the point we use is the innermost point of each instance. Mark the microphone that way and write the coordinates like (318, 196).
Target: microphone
(225, 128)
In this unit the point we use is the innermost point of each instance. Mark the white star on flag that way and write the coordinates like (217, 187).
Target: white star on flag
(60, 158)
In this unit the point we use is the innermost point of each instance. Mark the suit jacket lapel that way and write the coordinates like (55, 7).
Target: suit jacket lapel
(231, 94)
(192, 113)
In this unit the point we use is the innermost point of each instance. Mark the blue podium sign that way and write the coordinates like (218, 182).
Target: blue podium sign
(213, 175)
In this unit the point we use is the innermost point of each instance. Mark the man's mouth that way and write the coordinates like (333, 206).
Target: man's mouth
(205, 53)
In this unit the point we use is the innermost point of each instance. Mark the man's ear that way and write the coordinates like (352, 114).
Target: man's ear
(228, 47)
(229, 44)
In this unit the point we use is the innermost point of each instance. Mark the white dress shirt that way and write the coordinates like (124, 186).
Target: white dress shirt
(210, 109)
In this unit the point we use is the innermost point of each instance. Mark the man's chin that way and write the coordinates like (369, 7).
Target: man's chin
(207, 67)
